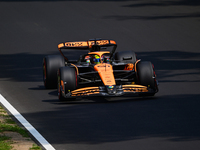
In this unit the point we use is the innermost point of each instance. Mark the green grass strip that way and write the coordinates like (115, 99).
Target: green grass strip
(35, 147)
(13, 128)
(4, 143)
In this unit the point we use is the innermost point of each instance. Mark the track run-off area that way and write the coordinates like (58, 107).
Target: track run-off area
(166, 33)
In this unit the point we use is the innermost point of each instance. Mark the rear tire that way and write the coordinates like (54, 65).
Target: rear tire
(51, 63)
(146, 76)
(68, 76)
(125, 56)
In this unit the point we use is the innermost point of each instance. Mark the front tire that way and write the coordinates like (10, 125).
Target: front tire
(146, 76)
(67, 82)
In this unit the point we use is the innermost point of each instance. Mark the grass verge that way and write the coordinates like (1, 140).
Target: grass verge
(8, 125)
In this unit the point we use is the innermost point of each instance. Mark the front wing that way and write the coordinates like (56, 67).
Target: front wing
(109, 91)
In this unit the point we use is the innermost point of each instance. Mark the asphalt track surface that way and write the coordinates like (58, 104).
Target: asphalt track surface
(166, 33)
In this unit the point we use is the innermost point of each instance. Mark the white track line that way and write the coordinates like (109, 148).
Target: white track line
(26, 124)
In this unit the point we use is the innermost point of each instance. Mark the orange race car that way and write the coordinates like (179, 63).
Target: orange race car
(100, 71)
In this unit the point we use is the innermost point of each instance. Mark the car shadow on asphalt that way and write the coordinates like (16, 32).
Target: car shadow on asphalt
(99, 99)
(173, 117)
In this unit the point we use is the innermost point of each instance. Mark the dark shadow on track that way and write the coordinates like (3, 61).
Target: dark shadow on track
(21, 67)
(174, 64)
(159, 17)
(174, 117)
(25, 67)
(166, 3)
(99, 99)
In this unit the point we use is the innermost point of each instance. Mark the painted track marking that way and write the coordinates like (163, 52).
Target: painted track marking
(26, 124)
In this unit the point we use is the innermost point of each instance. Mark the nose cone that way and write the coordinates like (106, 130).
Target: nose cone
(111, 89)
(106, 73)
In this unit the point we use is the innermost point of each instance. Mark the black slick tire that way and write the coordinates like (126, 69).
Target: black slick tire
(51, 63)
(125, 56)
(68, 76)
(146, 76)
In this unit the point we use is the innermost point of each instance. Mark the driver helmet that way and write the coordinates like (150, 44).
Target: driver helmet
(96, 59)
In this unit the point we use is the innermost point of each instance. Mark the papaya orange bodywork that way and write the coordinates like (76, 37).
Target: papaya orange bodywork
(106, 73)
(85, 91)
(85, 43)
(112, 42)
(77, 72)
(61, 45)
(98, 42)
(105, 70)
(134, 88)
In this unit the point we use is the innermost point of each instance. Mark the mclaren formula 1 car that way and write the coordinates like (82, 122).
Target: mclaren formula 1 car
(99, 71)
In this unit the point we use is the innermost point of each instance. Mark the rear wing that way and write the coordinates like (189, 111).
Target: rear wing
(87, 45)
